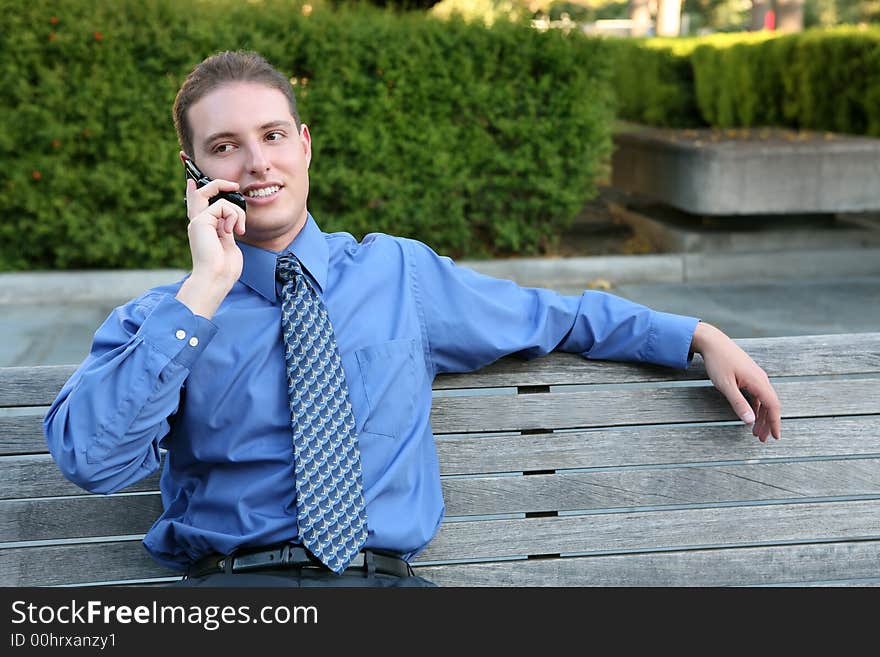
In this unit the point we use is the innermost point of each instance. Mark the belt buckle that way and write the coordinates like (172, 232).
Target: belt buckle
(261, 559)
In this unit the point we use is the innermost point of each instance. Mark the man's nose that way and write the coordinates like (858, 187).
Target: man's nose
(257, 160)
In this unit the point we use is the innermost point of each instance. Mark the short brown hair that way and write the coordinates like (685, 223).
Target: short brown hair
(216, 70)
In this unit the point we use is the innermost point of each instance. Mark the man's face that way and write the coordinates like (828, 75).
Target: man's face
(244, 132)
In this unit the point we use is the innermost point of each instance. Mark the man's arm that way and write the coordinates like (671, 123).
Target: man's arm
(732, 370)
(472, 320)
(104, 428)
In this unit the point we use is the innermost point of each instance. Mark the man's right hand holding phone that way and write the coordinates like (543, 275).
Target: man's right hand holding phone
(216, 258)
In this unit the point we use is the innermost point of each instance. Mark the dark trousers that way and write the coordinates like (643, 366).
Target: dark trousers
(305, 577)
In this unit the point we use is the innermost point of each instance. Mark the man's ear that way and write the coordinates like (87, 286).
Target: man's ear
(306, 140)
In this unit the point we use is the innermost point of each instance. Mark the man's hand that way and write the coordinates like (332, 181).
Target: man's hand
(731, 370)
(217, 260)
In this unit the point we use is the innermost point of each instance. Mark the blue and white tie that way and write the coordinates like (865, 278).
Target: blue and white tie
(330, 506)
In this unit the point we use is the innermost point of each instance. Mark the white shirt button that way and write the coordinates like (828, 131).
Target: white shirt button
(193, 342)
(181, 334)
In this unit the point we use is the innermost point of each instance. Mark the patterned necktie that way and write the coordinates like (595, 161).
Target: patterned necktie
(330, 503)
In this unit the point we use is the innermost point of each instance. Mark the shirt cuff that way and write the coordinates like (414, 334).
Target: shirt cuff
(173, 330)
(671, 338)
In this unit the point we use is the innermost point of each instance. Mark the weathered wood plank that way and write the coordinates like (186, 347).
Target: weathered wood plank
(32, 386)
(661, 486)
(124, 515)
(808, 437)
(78, 564)
(795, 564)
(39, 476)
(78, 517)
(22, 434)
(823, 437)
(647, 530)
(626, 406)
(857, 353)
(780, 356)
(786, 564)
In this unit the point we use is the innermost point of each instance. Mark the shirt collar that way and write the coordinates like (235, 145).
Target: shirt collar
(310, 248)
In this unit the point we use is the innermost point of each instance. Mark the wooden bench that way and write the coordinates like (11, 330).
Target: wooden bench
(557, 472)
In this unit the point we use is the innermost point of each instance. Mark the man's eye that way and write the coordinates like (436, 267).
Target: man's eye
(222, 148)
(275, 135)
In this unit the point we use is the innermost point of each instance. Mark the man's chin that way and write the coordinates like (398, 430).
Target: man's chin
(272, 237)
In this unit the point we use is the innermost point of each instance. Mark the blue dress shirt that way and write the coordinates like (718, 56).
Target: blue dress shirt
(214, 393)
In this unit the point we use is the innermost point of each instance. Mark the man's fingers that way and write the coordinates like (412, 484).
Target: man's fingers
(197, 199)
(769, 411)
(738, 402)
(776, 427)
(228, 214)
(760, 428)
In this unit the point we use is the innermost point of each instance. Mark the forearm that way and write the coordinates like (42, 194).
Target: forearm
(608, 327)
(104, 428)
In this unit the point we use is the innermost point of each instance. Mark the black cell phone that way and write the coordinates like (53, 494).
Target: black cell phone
(192, 171)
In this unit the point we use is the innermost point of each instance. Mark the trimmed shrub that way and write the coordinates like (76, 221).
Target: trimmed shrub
(478, 141)
(653, 82)
(818, 79)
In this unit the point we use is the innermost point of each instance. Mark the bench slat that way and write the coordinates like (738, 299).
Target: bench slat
(660, 486)
(626, 406)
(38, 476)
(598, 448)
(856, 353)
(78, 517)
(787, 564)
(82, 564)
(22, 434)
(124, 515)
(127, 560)
(32, 386)
(645, 530)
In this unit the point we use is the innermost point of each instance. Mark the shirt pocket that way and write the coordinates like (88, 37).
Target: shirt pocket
(388, 371)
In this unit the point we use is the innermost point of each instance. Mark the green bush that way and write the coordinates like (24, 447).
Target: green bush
(478, 141)
(818, 79)
(653, 83)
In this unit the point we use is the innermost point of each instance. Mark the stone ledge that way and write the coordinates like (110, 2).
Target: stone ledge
(731, 173)
(668, 230)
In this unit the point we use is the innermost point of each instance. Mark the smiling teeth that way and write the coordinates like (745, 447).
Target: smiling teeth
(265, 191)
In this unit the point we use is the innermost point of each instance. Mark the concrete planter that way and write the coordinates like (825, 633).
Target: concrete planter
(756, 172)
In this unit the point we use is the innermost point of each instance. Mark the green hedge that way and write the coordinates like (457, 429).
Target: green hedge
(653, 82)
(818, 80)
(478, 141)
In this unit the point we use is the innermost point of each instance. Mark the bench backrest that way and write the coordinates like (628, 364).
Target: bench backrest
(558, 472)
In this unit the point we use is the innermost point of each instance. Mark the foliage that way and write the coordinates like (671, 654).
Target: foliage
(818, 79)
(653, 85)
(478, 141)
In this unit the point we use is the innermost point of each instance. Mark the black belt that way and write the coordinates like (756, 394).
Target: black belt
(293, 556)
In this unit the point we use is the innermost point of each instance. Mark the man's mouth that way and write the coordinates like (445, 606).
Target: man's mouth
(262, 191)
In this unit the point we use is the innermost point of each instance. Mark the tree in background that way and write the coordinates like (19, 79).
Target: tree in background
(668, 18)
(703, 15)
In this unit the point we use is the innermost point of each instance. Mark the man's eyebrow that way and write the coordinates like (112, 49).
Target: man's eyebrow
(265, 126)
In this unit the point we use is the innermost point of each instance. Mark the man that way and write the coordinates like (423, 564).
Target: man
(213, 368)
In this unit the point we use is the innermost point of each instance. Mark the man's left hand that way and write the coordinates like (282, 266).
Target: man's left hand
(732, 370)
